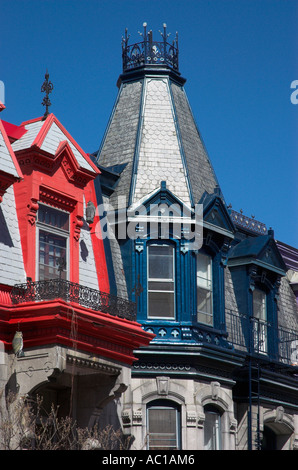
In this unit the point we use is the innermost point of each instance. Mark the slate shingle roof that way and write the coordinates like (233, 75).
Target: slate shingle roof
(152, 130)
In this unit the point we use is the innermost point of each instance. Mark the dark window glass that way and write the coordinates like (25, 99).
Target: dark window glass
(52, 255)
(53, 217)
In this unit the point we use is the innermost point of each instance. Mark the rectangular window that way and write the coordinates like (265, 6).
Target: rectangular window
(53, 228)
(161, 283)
(162, 427)
(260, 321)
(212, 431)
(204, 289)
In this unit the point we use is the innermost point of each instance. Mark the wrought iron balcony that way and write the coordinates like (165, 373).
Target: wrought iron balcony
(72, 292)
(149, 52)
(262, 339)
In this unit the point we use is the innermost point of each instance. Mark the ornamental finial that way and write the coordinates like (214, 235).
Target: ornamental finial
(150, 52)
(46, 88)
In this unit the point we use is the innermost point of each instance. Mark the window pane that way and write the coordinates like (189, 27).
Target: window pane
(161, 285)
(259, 304)
(161, 262)
(260, 325)
(204, 300)
(52, 252)
(212, 431)
(203, 270)
(161, 304)
(53, 217)
(204, 289)
(162, 423)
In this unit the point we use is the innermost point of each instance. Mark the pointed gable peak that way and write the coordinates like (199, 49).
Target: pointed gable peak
(215, 211)
(261, 250)
(47, 135)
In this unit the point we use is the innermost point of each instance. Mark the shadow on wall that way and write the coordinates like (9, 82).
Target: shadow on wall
(5, 237)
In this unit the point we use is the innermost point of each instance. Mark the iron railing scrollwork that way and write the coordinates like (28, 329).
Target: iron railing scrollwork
(72, 292)
(261, 338)
(149, 52)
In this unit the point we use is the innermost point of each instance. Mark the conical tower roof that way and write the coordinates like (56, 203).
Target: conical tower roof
(152, 135)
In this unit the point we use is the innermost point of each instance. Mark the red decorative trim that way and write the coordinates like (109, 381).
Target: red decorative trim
(78, 224)
(97, 243)
(31, 121)
(6, 181)
(70, 165)
(13, 132)
(57, 199)
(11, 152)
(5, 295)
(46, 127)
(33, 208)
(46, 323)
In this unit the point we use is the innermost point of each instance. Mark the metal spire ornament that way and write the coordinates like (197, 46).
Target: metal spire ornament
(47, 88)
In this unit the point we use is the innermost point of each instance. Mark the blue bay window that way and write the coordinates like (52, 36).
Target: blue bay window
(178, 285)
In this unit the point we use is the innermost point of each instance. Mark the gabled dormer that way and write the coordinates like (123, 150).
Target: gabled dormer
(256, 267)
(261, 251)
(216, 214)
(51, 203)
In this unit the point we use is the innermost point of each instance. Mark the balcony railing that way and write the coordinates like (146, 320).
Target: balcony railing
(261, 338)
(71, 292)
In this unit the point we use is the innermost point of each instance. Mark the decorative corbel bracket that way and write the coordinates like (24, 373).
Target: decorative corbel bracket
(78, 224)
(33, 208)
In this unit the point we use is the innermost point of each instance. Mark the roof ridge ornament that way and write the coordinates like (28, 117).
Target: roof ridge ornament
(47, 88)
(149, 52)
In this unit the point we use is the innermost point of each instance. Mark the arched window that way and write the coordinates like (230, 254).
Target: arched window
(212, 428)
(163, 425)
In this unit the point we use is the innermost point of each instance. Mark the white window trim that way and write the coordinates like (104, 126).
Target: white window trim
(161, 280)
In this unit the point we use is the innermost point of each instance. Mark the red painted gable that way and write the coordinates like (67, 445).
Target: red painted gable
(61, 175)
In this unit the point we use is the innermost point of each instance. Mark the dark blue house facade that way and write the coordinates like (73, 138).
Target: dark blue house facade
(209, 283)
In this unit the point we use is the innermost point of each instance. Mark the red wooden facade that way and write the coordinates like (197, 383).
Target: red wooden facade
(51, 169)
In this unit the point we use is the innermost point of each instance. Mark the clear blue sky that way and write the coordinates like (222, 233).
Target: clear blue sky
(239, 58)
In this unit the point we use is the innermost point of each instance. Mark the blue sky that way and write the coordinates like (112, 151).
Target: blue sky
(239, 58)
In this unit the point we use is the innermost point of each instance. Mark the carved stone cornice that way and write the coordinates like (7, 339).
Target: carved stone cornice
(80, 361)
